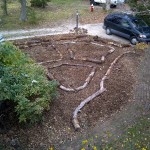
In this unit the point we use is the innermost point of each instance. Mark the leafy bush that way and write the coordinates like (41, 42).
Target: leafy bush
(142, 9)
(39, 3)
(32, 16)
(24, 82)
(145, 16)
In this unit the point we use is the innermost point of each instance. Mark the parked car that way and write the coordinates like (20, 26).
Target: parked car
(127, 26)
(113, 3)
(1, 38)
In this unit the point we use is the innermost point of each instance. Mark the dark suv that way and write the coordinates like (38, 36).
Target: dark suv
(127, 26)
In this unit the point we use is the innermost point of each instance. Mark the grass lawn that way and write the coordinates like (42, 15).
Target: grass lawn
(136, 137)
(55, 11)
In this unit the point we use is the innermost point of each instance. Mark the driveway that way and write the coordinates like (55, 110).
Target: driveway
(93, 29)
(97, 29)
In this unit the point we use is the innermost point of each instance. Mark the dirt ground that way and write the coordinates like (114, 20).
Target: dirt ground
(56, 126)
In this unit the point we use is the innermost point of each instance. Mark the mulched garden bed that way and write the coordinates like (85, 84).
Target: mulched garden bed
(54, 53)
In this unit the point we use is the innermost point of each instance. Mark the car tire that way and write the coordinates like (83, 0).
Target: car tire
(133, 40)
(108, 31)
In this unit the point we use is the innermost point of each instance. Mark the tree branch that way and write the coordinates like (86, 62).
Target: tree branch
(97, 93)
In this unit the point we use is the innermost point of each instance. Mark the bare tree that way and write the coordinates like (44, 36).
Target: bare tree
(23, 15)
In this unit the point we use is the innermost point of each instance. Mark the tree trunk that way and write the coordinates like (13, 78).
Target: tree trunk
(23, 15)
(108, 4)
(5, 7)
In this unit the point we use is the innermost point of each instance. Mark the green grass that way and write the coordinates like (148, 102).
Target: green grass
(55, 11)
(136, 137)
(63, 2)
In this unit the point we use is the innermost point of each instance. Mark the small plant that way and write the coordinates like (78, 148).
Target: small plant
(89, 144)
(24, 83)
(141, 46)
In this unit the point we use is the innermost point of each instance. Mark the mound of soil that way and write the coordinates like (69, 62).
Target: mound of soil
(53, 52)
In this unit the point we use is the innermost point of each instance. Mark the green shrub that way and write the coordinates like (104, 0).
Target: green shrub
(23, 82)
(32, 17)
(144, 16)
(39, 3)
(141, 8)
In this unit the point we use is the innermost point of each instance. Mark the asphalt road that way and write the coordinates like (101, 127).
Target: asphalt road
(93, 29)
